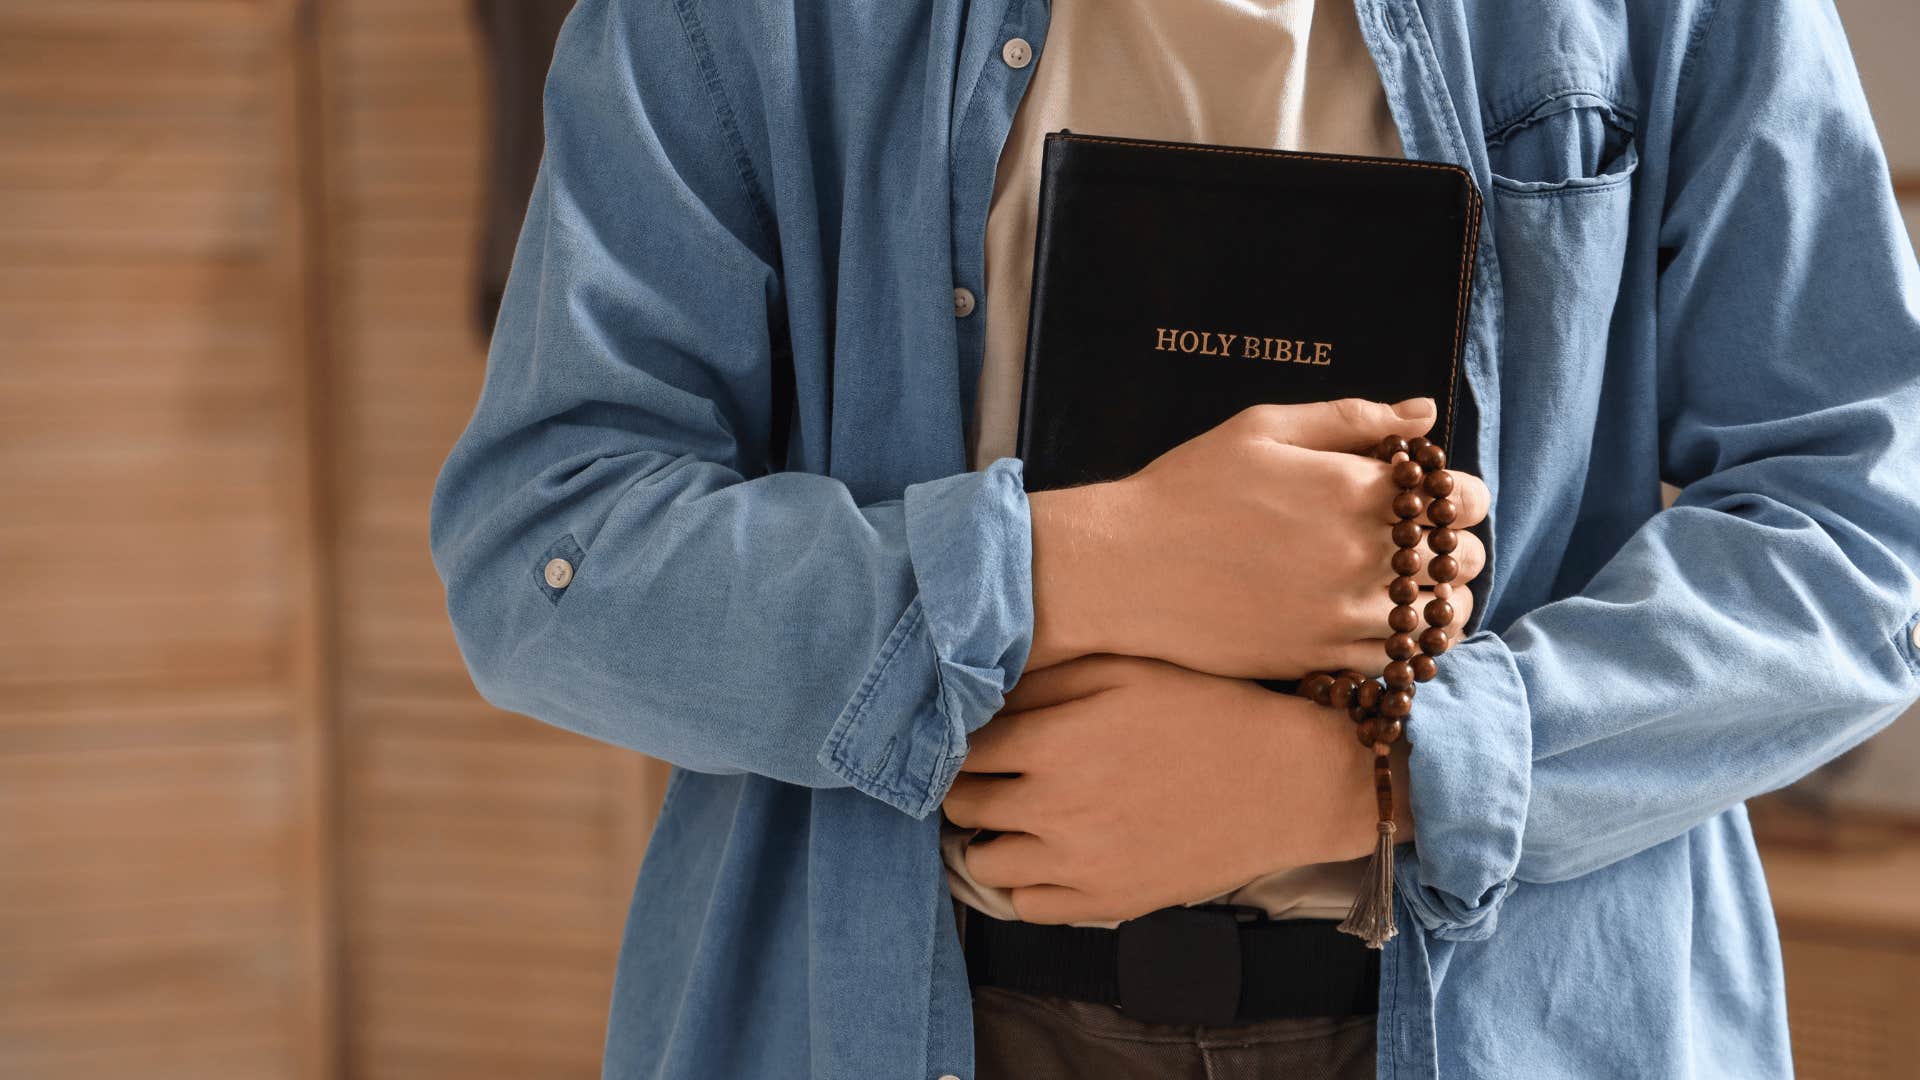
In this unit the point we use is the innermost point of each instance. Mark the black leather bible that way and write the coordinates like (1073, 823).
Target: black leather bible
(1175, 284)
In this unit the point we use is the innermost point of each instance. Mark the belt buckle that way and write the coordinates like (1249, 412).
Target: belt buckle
(1181, 965)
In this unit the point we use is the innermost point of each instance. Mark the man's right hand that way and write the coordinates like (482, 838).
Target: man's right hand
(1257, 549)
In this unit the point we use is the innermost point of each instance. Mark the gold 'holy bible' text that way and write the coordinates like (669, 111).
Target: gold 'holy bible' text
(1250, 346)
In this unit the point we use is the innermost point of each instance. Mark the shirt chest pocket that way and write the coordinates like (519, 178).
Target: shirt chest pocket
(1559, 202)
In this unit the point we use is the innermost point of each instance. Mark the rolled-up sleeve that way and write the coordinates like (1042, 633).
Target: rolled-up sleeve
(1471, 791)
(622, 558)
(945, 664)
(1763, 623)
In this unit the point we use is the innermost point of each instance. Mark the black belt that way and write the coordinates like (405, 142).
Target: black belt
(1212, 965)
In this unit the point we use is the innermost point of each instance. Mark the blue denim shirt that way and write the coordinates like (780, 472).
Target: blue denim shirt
(729, 387)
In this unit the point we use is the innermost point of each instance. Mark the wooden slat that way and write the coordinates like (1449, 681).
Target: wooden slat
(1851, 1006)
(160, 873)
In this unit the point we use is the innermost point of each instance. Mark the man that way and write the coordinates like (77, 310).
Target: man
(715, 505)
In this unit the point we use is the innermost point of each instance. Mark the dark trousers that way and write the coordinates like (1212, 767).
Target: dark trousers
(1021, 1036)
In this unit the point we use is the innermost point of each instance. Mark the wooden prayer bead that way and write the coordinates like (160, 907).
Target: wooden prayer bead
(1404, 590)
(1368, 696)
(1406, 561)
(1403, 619)
(1380, 708)
(1402, 647)
(1319, 687)
(1340, 694)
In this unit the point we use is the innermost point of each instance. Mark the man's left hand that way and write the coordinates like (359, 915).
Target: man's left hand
(1123, 785)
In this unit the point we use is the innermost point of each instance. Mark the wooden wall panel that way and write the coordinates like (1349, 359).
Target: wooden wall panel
(1850, 938)
(488, 859)
(162, 842)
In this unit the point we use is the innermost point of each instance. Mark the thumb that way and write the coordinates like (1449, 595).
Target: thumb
(1346, 424)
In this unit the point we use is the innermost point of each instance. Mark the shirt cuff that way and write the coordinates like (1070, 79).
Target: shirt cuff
(956, 650)
(1471, 770)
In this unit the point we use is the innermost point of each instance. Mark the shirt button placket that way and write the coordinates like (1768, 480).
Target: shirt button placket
(1017, 53)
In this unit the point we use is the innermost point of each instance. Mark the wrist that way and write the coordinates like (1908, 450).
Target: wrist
(1076, 550)
(1339, 817)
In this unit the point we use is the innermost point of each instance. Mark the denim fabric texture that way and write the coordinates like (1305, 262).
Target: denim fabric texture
(1692, 270)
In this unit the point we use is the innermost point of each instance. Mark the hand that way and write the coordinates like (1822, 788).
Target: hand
(1136, 785)
(1257, 549)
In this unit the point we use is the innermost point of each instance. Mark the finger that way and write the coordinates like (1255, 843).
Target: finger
(1365, 655)
(1369, 655)
(1350, 424)
(1469, 497)
(1004, 744)
(1053, 904)
(984, 802)
(1012, 860)
(1082, 677)
(1462, 601)
(1469, 558)
(1032, 740)
(1372, 606)
(1469, 552)
(1365, 615)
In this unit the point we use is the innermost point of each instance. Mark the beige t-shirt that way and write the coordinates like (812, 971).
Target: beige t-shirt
(1236, 72)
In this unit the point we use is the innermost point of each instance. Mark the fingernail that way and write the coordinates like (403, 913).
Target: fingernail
(1413, 408)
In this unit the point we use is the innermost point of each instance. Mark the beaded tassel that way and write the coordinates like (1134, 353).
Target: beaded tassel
(1371, 917)
(1381, 709)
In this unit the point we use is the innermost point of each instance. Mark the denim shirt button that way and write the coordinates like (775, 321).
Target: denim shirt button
(559, 573)
(1017, 53)
(1915, 636)
(949, 1076)
(962, 303)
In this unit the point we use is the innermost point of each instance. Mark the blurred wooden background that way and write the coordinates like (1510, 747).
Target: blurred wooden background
(254, 822)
